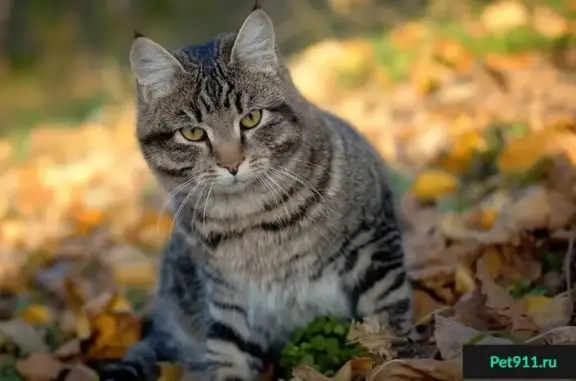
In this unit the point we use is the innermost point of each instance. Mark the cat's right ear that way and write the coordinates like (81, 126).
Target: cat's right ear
(155, 69)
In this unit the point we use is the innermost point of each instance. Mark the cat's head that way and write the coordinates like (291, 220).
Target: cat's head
(216, 114)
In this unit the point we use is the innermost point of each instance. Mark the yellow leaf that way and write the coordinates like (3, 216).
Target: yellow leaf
(548, 313)
(457, 160)
(522, 153)
(141, 274)
(504, 15)
(119, 304)
(432, 184)
(114, 334)
(487, 217)
(170, 372)
(83, 329)
(37, 314)
(464, 280)
(493, 262)
(534, 303)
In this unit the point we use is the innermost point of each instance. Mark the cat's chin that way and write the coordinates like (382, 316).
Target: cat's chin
(233, 185)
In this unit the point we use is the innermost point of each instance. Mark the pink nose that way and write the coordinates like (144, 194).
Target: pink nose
(232, 167)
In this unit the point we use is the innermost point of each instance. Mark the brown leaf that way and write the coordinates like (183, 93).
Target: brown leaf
(451, 336)
(501, 305)
(418, 370)
(538, 208)
(69, 349)
(39, 367)
(470, 311)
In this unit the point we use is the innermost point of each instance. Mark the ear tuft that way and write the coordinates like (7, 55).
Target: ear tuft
(255, 44)
(137, 34)
(154, 67)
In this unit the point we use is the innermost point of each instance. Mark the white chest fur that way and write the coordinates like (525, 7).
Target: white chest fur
(282, 308)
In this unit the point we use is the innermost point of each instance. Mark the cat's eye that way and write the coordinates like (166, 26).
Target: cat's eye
(252, 119)
(193, 134)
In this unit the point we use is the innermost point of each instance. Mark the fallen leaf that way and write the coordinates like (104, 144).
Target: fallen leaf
(307, 373)
(371, 335)
(433, 184)
(37, 314)
(501, 16)
(69, 349)
(81, 373)
(556, 336)
(23, 335)
(114, 334)
(39, 367)
(170, 372)
(451, 336)
(464, 280)
(140, 274)
(538, 208)
(470, 311)
(418, 369)
(548, 313)
(549, 23)
(501, 305)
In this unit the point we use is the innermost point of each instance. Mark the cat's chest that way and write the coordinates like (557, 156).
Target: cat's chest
(281, 308)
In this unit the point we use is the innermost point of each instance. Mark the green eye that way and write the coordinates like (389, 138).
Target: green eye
(193, 134)
(252, 119)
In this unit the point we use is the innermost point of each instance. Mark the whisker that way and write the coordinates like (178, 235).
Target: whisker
(180, 208)
(206, 202)
(169, 197)
(279, 195)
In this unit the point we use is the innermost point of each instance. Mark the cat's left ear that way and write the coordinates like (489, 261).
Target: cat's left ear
(255, 44)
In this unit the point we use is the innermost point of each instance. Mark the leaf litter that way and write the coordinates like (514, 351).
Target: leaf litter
(484, 150)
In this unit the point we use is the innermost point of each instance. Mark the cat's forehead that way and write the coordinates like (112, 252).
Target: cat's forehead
(215, 49)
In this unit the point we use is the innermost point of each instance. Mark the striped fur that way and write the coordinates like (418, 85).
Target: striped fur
(311, 231)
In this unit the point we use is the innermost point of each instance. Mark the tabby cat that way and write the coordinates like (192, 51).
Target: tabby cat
(283, 212)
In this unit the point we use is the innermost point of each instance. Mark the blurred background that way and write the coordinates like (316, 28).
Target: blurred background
(472, 103)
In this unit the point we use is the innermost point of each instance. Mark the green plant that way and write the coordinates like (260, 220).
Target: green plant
(320, 345)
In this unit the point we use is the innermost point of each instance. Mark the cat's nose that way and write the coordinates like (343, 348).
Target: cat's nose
(232, 167)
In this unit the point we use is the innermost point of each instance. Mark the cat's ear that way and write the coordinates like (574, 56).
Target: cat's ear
(154, 67)
(255, 44)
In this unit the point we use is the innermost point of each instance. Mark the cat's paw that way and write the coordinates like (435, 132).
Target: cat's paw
(128, 371)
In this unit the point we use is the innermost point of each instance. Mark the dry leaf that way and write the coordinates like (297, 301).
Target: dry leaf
(81, 373)
(371, 335)
(170, 372)
(549, 23)
(23, 335)
(418, 370)
(39, 367)
(548, 313)
(37, 314)
(501, 305)
(540, 208)
(114, 334)
(306, 373)
(69, 349)
(556, 336)
(433, 184)
(451, 336)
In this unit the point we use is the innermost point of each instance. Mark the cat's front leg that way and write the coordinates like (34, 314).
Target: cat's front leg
(234, 351)
(383, 290)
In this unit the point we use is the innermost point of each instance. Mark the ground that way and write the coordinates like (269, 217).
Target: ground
(479, 129)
